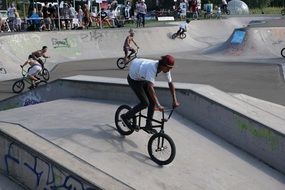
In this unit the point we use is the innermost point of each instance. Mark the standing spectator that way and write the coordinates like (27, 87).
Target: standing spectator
(86, 16)
(2, 22)
(141, 11)
(80, 15)
(65, 15)
(46, 17)
(224, 5)
(18, 24)
(52, 13)
(194, 9)
(128, 10)
(12, 16)
(183, 9)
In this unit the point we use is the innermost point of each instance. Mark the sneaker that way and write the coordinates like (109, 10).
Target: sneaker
(128, 123)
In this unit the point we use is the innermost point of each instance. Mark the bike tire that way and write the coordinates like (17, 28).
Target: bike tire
(283, 52)
(156, 147)
(18, 86)
(122, 129)
(45, 74)
(228, 12)
(121, 63)
(182, 36)
(174, 36)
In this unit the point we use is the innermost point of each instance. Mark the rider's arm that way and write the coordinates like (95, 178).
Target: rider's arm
(46, 56)
(135, 43)
(26, 62)
(153, 96)
(175, 103)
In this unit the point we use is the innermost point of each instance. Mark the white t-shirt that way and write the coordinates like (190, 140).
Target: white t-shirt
(184, 25)
(146, 70)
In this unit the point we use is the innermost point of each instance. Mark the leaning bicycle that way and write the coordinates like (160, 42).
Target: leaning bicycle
(161, 147)
(19, 85)
(121, 61)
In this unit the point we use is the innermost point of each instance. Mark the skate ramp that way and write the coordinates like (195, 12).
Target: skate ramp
(251, 43)
(73, 136)
(66, 46)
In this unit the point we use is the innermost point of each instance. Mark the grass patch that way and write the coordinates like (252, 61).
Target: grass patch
(267, 10)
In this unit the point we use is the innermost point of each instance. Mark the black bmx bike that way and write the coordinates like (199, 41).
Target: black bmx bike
(121, 61)
(19, 85)
(161, 147)
(181, 35)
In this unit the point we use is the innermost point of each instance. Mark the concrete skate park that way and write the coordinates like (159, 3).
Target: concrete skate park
(228, 131)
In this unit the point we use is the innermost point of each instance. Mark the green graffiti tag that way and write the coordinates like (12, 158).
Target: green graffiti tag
(262, 133)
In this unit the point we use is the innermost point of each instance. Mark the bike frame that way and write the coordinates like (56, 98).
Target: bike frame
(159, 124)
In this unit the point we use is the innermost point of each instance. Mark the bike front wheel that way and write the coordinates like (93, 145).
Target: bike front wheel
(45, 74)
(121, 63)
(283, 52)
(18, 86)
(121, 127)
(183, 35)
(161, 149)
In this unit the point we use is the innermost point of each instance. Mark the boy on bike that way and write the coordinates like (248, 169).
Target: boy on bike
(183, 27)
(34, 69)
(141, 79)
(127, 45)
(36, 55)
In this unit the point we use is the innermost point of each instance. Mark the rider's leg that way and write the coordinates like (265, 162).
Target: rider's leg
(126, 51)
(132, 52)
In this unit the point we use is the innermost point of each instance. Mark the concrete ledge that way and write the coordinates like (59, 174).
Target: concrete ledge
(256, 131)
(39, 164)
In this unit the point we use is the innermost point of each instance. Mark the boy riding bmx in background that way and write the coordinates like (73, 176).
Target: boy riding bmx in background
(183, 27)
(127, 45)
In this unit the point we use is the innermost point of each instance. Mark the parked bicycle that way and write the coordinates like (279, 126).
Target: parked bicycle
(181, 35)
(19, 85)
(121, 61)
(283, 52)
(161, 147)
(3, 70)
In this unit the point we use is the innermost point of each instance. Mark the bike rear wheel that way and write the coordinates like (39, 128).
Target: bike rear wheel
(283, 52)
(182, 35)
(18, 86)
(121, 63)
(174, 36)
(161, 149)
(121, 127)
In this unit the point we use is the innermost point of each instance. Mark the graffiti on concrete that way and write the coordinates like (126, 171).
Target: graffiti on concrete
(259, 132)
(60, 43)
(31, 99)
(91, 36)
(40, 173)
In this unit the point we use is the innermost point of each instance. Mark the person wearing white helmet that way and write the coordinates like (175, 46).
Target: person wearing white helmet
(141, 78)
(127, 45)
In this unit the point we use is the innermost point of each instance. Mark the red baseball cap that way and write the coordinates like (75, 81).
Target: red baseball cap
(168, 61)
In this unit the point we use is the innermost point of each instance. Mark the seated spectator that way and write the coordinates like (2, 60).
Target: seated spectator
(34, 20)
